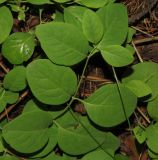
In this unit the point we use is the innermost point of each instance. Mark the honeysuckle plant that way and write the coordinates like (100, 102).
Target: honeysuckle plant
(83, 29)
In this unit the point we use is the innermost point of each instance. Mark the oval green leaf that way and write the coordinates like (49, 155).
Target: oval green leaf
(7, 97)
(116, 55)
(31, 128)
(8, 157)
(75, 140)
(15, 80)
(51, 84)
(18, 47)
(94, 3)
(152, 134)
(105, 102)
(153, 109)
(2, 1)
(6, 23)
(146, 72)
(99, 154)
(139, 88)
(63, 43)
(121, 157)
(139, 134)
(52, 133)
(61, 1)
(74, 15)
(92, 26)
(39, 2)
(115, 20)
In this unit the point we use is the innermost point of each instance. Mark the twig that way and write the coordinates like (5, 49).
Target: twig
(137, 29)
(9, 109)
(138, 55)
(97, 79)
(3, 67)
(144, 40)
(143, 115)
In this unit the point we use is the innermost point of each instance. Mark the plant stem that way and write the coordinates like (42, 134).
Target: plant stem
(23, 95)
(119, 90)
(138, 55)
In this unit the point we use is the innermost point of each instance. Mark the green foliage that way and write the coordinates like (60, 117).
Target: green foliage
(39, 2)
(106, 101)
(1, 1)
(18, 74)
(139, 88)
(139, 134)
(59, 45)
(7, 97)
(97, 154)
(5, 23)
(35, 135)
(151, 135)
(116, 55)
(55, 86)
(115, 30)
(18, 47)
(46, 59)
(94, 3)
(74, 15)
(92, 26)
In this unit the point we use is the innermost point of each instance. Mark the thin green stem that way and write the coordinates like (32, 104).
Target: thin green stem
(79, 83)
(90, 134)
(84, 70)
(119, 90)
(75, 98)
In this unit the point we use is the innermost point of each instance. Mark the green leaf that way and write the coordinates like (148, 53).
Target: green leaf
(31, 128)
(39, 2)
(58, 17)
(15, 80)
(121, 157)
(116, 55)
(8, 157)
(105, 102)
(76, 140)
(2, 1)
(92, 26)
(152, 154)
(146, 72)
(74, 15)
(152, 134)
(51, 156)
(115, 20)
(139, 88)
(6, 23)
(139, 134)
(51, 84)
(94, 3)
(18, 47)
(30, 106)
(153, 109)
(131, 32)
(99, 154)
(111, 143)
(34, 105)
(2, 148)
(52, 133)
(61, 1)
(7, 97)
(130, 48)
(59, 45)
